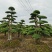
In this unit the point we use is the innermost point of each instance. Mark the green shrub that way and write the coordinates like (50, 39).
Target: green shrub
(36, 36)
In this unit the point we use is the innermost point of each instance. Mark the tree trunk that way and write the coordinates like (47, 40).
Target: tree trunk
(9, 37)
(36, 21)
(5, 34)
(40, 23)
(9, 31)
(18, 35)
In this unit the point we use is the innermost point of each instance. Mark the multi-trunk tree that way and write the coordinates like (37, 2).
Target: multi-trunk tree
(39, 22)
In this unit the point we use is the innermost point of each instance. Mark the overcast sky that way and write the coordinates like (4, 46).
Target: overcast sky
(25, 7)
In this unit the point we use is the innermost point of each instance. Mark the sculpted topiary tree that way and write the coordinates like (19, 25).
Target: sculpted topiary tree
(10, 19)
(20, 26)
(22, 22)
(34, 17)
(37, 19)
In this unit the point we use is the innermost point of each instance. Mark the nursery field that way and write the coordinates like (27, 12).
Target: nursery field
(20, 37)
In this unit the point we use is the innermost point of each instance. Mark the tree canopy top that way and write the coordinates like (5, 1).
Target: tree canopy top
(37, 11)
(11, 8)
(22, 20)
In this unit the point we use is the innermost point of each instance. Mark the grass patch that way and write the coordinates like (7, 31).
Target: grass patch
(43, 48)
(12, 44)
(9, 44)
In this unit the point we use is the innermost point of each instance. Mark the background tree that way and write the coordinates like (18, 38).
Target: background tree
(3, 27)
(20, 26)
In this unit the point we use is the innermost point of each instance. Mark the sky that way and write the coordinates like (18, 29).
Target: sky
(25, 7)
